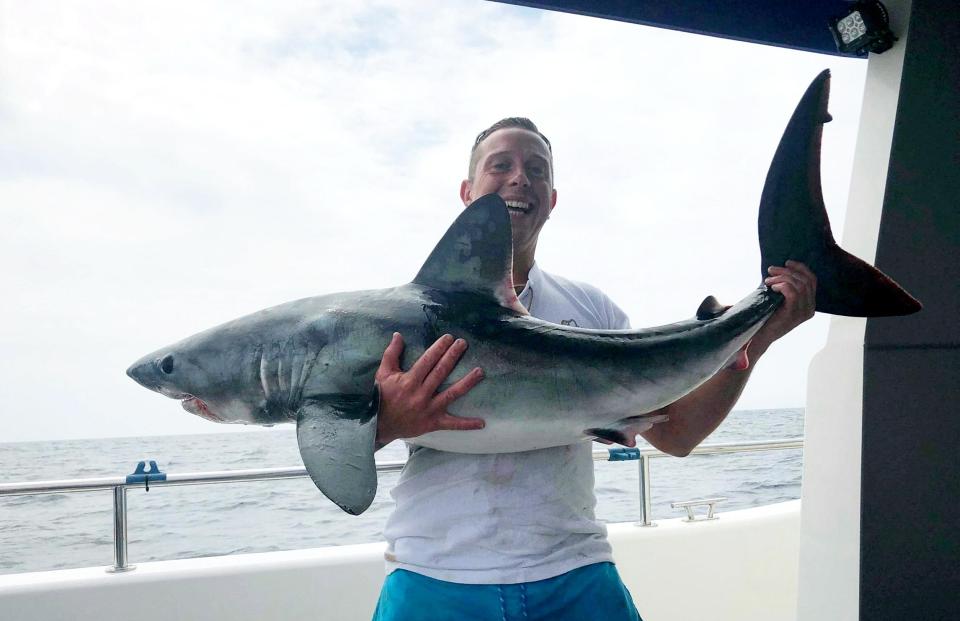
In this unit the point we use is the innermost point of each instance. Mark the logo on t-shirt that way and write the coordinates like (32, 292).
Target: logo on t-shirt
(569, 322)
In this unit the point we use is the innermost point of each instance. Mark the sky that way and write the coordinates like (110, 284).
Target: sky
(166, 167)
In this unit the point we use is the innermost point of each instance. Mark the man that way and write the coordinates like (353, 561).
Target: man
(514, 536)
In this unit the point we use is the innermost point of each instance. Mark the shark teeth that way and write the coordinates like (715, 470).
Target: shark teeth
(518, 206)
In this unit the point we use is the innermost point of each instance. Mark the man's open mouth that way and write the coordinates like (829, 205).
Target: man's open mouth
(519, 206)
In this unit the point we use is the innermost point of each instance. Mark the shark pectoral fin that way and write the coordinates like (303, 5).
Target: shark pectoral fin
(625, 430)
(336, 439)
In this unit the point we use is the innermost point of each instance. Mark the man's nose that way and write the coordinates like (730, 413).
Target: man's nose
(520, 178)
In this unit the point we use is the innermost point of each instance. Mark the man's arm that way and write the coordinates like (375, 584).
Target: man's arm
(410, 405)
(698, 414)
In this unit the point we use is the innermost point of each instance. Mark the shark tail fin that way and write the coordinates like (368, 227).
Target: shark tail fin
(850, 286)
(793, 222)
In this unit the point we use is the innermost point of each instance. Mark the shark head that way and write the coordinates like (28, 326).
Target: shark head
(251, 371)
(195, 374)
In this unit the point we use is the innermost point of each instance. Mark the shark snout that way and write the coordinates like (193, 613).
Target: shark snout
(153, 372)
(140, 372)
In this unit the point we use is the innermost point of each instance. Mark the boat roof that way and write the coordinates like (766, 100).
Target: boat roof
(781, 23)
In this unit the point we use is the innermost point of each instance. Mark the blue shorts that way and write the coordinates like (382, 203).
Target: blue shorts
(590, 592)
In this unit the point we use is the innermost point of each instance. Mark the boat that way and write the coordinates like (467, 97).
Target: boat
(874, 536)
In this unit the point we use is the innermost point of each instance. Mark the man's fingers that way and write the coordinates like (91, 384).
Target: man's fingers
(782, 279)
(460, 387)
(390, 363)
(787, 284)
(418, 372)
(805, 279)
(798, 273)
(786, 289)
(444, 366)
(449, 422)
(798, 294)
(802, 267)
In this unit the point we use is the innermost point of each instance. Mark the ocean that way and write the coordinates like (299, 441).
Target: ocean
(59, 531)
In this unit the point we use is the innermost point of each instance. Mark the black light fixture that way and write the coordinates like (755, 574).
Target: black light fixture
(865, 28)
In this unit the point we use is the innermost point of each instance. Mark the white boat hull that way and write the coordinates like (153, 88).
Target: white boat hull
(741, 567)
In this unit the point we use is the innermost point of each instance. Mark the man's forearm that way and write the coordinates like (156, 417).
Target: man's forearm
(695, 416)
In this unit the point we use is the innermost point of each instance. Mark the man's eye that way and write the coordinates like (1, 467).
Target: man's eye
(501, 166)
(536, 171)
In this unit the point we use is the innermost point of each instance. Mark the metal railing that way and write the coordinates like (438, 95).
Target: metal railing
(119, 485)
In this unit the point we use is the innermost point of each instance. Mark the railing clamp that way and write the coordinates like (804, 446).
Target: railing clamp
(142, 475)
(690, 504)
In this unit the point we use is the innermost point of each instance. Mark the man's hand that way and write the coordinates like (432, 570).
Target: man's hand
(798, 285)
(409, 403)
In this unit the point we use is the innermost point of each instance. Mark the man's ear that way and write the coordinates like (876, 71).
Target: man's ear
(553, 200)
(466, 192)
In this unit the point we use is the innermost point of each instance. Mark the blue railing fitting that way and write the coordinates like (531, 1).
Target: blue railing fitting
(624, 454)
(142, 475)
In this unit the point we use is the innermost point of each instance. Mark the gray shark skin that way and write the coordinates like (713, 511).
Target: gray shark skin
(313, 361)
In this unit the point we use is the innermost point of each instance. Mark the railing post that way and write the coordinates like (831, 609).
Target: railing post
(120, 531)
(644, 466)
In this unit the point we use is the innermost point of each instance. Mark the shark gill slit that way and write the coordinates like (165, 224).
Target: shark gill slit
(305, 369)
(264, 375)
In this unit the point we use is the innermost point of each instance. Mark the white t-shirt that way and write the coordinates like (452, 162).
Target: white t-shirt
(509, 517)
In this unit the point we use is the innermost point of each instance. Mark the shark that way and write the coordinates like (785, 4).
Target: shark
(312, 361)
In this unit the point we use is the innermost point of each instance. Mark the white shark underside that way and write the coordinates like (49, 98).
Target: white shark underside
(313, 361)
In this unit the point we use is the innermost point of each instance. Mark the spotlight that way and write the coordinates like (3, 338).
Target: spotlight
(865, 28)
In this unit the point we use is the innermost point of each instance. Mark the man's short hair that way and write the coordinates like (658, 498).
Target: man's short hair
(510, 121)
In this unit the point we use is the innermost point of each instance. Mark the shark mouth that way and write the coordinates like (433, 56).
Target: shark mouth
(519, 206)
(195, 405)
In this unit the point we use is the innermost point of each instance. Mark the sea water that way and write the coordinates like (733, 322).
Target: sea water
(57, 531)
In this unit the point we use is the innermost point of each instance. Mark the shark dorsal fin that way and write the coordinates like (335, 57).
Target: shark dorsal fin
(475, 255)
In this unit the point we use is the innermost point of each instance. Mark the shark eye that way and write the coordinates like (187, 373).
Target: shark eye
(166, 364)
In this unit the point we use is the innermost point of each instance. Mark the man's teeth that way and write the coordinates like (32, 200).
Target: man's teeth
(521, 205)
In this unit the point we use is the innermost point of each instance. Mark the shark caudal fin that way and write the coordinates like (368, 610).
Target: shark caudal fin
(793, 221)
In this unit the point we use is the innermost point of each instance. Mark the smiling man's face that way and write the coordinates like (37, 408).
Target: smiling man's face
(516, 164)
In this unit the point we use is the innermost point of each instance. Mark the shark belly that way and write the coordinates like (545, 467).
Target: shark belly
(536, 402)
